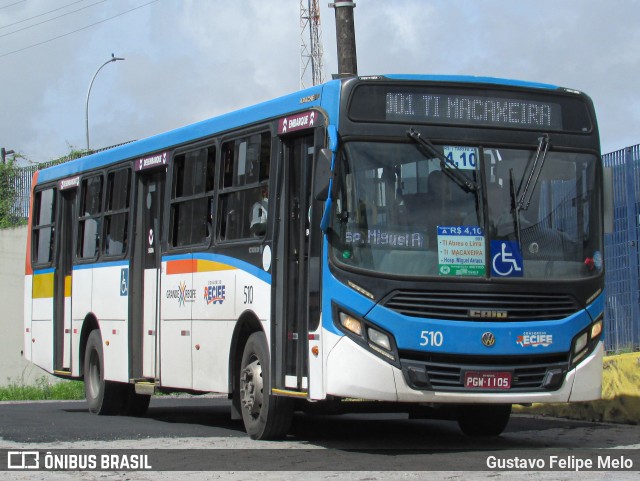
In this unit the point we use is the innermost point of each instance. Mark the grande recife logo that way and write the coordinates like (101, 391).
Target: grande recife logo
(182, 294)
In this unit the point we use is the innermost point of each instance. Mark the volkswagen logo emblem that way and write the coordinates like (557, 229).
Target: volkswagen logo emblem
(488, 339)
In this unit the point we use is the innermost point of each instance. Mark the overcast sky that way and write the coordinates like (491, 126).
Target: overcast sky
(187, 60)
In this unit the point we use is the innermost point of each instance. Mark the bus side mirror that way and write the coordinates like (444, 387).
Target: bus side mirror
(322, 174)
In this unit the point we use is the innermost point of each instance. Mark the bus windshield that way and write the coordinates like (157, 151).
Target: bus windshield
(400, 210)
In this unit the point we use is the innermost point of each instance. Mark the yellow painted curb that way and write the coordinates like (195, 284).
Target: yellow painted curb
(620, 395)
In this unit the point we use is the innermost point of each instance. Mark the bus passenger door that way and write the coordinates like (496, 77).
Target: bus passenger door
(62, 284)
(295, 289)
(145, 274)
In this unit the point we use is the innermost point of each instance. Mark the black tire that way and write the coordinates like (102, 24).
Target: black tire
(103, 397)
(265, 416)
(484, 419)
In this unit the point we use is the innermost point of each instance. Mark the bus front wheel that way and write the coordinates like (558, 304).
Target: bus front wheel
(484, 419)
(265, 416)
(103, 397)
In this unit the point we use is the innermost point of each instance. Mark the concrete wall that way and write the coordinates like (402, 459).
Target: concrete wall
(13, 367)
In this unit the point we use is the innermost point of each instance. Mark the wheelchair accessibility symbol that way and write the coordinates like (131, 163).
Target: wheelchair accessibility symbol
(124, 281)
(506, 259)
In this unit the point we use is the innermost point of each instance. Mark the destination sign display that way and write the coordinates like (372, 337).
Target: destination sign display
(70, 183)
(151, 161)
(471, 109)
(537, 109)
(296, 122)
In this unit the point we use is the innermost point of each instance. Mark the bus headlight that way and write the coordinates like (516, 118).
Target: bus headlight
(366, 334)
(351, 323)
(596, 329)
(581, 343)
(379, 338)
(586, 341)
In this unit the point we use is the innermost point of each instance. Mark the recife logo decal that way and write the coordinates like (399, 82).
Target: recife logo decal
(535, 339)
(215, 292)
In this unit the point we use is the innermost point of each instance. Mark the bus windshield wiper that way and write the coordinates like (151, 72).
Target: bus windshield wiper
(515, 207)
(524, 199)
(452, 171)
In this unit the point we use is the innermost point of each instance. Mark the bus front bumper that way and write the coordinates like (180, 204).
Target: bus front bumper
(354, 372)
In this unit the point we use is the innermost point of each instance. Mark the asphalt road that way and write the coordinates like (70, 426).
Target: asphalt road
(194, 417)
(348, 445)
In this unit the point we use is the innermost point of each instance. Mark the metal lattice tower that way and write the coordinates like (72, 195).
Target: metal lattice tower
(311, 67)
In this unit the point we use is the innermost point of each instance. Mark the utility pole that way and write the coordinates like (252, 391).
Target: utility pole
(345, 38)
(4, 152)
(86, 112)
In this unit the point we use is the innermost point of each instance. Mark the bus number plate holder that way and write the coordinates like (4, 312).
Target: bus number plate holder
(487, 380)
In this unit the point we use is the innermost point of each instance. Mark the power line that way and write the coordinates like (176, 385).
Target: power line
(49, 20)
(12, 4)
(39, 15)
(75, 31)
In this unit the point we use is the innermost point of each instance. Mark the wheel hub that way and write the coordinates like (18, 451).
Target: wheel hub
(251, 386)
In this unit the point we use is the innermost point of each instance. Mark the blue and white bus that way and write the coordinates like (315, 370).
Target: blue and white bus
(431, 244)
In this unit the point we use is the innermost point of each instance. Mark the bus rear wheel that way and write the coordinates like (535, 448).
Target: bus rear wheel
(103, 397)
(484, 419)
(265, 416)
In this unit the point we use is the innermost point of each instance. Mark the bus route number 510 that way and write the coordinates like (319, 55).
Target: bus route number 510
(431, 338)
(248, 294)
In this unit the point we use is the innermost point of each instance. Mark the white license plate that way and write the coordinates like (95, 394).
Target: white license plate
(487, 380)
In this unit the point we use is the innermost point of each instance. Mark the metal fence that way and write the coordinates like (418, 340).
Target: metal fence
(22, 180)
(22, 187)
(622, 314)
(21, 183)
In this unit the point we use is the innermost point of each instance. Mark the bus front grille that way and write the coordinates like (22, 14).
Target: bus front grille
(501, 306)
(447, 372)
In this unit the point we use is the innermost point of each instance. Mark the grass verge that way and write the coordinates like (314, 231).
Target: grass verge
(62, 390)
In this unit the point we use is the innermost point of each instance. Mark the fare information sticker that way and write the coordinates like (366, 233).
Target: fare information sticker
(464, 158)
(461, 251)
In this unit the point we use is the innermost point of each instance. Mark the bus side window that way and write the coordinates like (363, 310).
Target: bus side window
(90, 217)
(116, 217)
(243, 200)
(43, 227)
(191, 197)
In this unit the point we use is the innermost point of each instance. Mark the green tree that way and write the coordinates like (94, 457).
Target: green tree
(8, 175)
(74, 153)
(8, 172)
